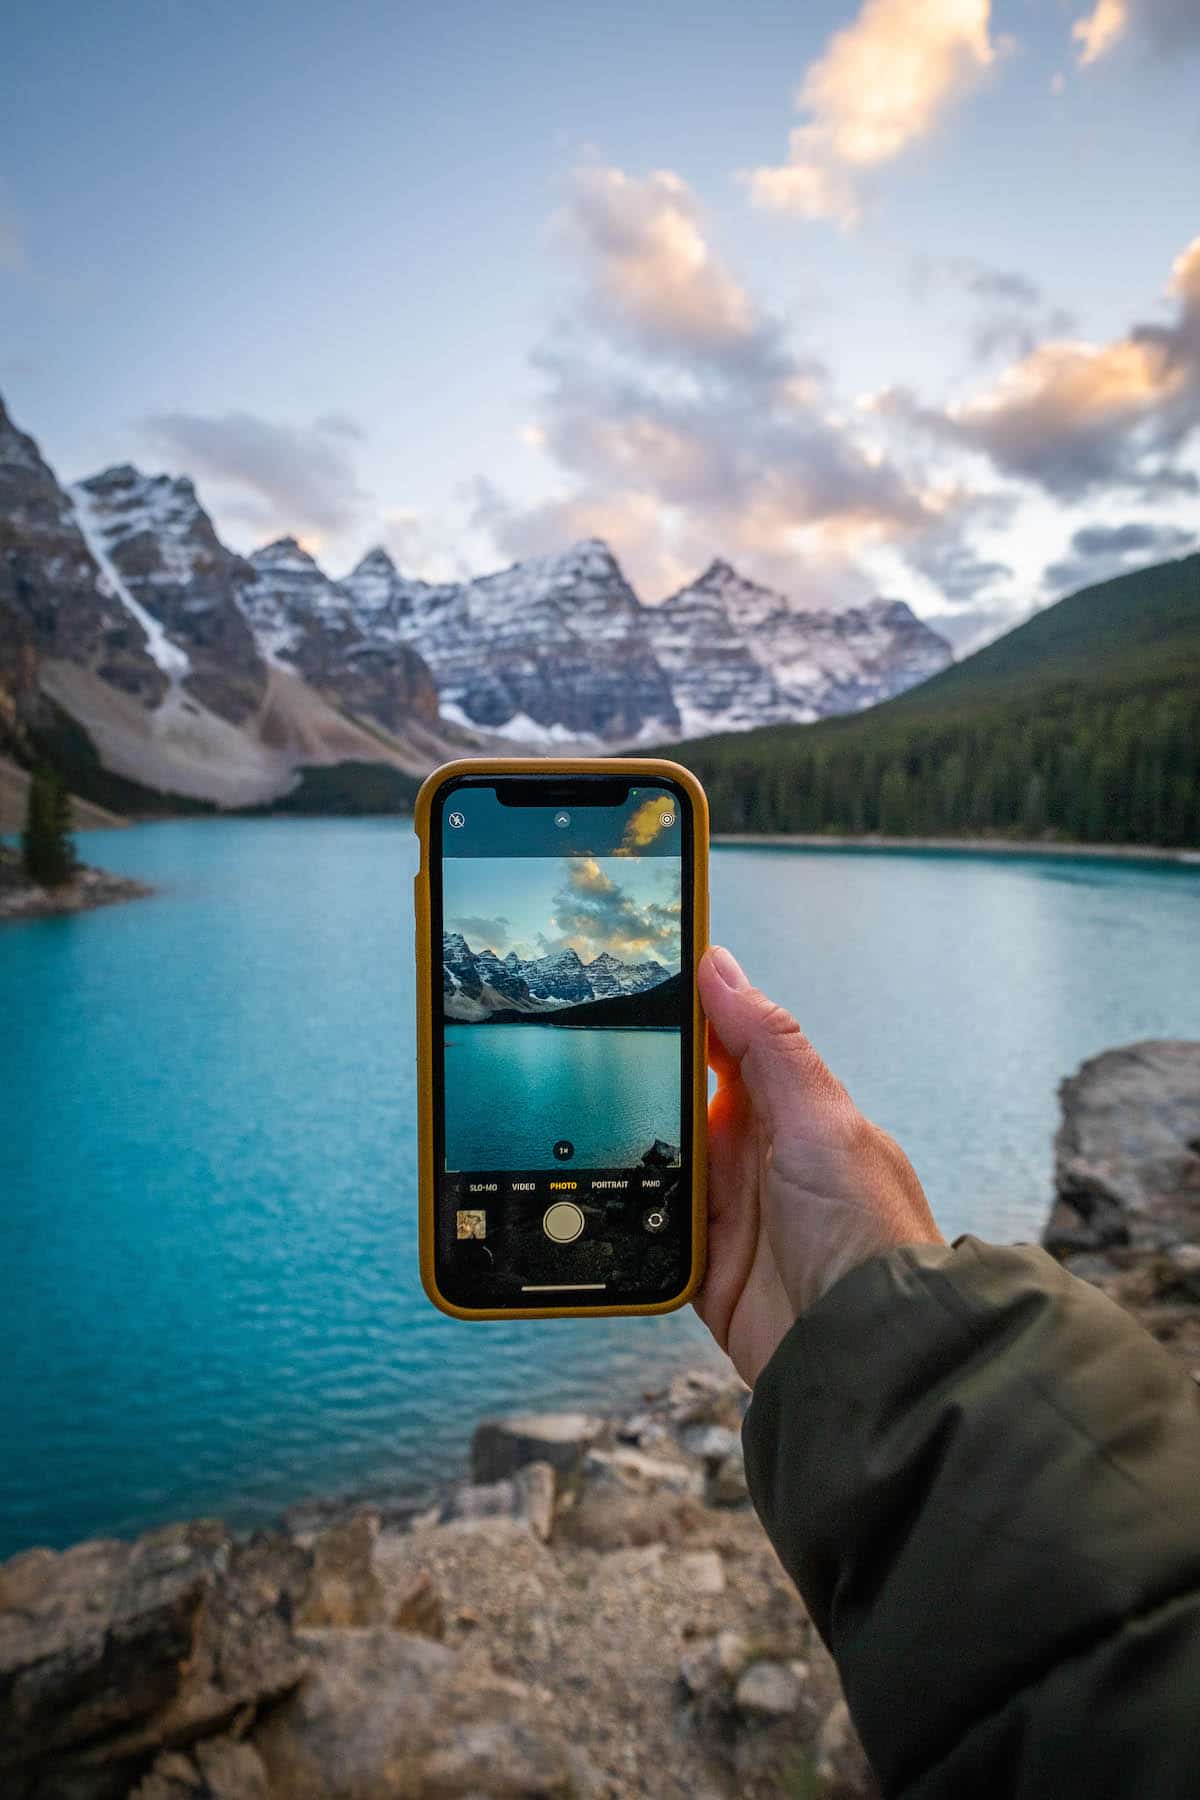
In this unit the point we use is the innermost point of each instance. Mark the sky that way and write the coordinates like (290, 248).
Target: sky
(628, 906)
(900, 297)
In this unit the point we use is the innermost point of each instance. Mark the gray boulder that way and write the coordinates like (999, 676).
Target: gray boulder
(1127, 1154)
(386, 1716)
(503, 1445)
(343, 1586)
(527, 1496)
(355, 1728)
(111, 1651)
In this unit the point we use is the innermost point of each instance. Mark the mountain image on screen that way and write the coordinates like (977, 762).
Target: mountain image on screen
(480, 987)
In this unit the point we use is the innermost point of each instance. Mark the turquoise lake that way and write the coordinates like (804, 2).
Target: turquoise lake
(207, 1214)
(514, 1091)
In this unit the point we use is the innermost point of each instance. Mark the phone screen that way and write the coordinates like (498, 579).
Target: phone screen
(563, 1040)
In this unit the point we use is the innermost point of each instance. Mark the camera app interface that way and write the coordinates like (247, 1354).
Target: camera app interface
(565, 1021)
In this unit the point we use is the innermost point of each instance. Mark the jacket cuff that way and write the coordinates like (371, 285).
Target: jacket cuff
(970, 1462)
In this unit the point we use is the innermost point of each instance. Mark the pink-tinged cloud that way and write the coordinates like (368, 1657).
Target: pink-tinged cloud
(884, 82)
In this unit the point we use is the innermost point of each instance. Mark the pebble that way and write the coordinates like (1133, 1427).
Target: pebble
(770, 1689)
(702, 1572)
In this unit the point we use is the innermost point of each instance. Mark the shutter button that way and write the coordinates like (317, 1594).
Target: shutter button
(563, 1222)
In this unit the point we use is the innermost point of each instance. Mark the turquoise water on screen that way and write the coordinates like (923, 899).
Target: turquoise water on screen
(514, 1091)
(207, 1200)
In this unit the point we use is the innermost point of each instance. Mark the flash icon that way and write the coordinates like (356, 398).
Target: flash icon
(457, 820)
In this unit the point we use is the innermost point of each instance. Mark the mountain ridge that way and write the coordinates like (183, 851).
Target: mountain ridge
(733, 653)
(196, 673)
(1082, 723)
(476, 984)
(127, 661)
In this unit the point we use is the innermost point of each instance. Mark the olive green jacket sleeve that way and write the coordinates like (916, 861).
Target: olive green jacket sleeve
(984, 1478)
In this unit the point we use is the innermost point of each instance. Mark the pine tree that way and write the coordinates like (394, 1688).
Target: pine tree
(46, 847)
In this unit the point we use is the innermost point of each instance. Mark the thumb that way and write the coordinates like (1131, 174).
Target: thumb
(762, 1042)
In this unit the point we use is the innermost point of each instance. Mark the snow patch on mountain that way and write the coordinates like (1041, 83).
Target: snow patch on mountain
(288, 593)
(96, 530)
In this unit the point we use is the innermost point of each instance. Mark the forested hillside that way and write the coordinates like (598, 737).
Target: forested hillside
(1083, 723)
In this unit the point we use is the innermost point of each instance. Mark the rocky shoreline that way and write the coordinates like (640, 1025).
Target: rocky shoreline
(87, 889)
(594, 1613)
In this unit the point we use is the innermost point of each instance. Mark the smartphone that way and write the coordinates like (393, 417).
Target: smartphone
(561, 909)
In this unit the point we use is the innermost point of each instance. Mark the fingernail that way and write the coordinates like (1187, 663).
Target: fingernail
(728, 967)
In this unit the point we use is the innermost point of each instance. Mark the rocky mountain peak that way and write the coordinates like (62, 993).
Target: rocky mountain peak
(159, 547)
(17, 449)
(552, 650)
(63, 603)
(113, 479)
(375, 562)
(287, 554)
(380, 598)
(334, 634)
(891, 612)
(585, 566)
(593, 555)
(126, 502)
(717, 574)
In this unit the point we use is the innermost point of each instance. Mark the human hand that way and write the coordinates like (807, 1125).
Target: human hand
(801, 1187)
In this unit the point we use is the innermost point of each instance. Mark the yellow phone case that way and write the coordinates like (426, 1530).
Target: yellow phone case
(647, 768)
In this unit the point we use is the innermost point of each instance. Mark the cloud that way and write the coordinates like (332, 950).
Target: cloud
(634, 525)
(1012, 315)
(1096, 33)
(645, 825)
(594, 913)
(339, 424)
(884, 82)
(683, 424)
(282, 478)
(1002, 284)
(1166, 26)
(1098, 551)
(958, 571)
(969, 628)
(1013, 333)
(1075, 418)
(649, 265)
(482, 933)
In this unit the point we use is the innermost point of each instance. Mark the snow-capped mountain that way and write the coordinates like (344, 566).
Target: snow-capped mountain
(477, 982)
(306, 622)
(559, 650)
(55, 601)
(124, 642)
(298, 615)
(196, 671)
(719, 682)
(157, 547)
(809, 663)
(556, 649)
